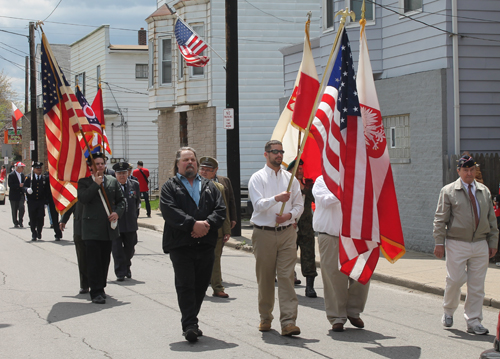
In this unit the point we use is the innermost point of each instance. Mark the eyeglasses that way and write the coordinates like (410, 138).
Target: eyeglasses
(206, 169)
(275, 152)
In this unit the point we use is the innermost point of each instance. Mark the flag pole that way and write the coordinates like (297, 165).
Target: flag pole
(344, 14)
(56, 68)
(101, 121)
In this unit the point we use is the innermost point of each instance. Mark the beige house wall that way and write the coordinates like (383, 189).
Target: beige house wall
(201, 132)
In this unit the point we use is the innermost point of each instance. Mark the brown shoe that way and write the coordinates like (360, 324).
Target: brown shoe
(338, 327)
(290, 330)
(220, 294)
(357, 322)
(265, 325)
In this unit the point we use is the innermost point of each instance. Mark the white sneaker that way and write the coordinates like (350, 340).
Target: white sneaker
(447, 320)
(478, 330)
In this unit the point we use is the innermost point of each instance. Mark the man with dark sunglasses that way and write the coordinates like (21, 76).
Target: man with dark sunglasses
(274, 239)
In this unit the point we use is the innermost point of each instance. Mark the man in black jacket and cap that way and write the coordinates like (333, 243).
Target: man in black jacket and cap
(124, 246)
(193, 211)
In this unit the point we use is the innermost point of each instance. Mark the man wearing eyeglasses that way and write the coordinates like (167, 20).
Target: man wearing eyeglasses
(274, 238)
(465, 226)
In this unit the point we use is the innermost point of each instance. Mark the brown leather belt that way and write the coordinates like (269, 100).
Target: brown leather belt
(277, 229)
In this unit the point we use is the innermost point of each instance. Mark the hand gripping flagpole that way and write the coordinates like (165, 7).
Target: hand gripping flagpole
(344, 14)
(106, 203)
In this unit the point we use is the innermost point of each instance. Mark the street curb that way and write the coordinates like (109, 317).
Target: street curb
(235, 242)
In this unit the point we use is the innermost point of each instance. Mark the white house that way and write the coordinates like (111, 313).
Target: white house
(123, 70)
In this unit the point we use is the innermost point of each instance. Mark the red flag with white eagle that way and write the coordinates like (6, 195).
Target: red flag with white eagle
(16, 115)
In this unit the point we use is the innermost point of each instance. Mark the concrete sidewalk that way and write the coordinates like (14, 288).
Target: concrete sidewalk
(415, 270)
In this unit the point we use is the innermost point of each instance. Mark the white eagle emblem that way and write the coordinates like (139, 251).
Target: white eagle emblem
(374, 128)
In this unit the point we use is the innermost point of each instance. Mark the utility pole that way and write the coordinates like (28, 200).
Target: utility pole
(232, 101)
(34, 124)
(26, 84)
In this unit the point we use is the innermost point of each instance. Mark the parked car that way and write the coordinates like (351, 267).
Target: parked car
(2, 193)
(246, 204)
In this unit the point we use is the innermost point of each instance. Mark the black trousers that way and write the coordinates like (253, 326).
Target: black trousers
(36, 212)
(193, 269)
(145, 197)
(81, 257)
(55, 219)
(17, 208)
(98, 258)
(123, 250)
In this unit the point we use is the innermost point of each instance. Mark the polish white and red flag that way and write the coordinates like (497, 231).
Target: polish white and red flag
(295, 116)
(16, 115)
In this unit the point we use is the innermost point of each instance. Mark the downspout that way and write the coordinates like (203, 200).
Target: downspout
(456, 77)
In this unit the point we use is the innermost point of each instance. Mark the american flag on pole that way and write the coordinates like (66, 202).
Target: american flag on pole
(63, 117)
(190, 45)
(339, 131)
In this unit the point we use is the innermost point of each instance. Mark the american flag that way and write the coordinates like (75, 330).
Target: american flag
(190, 45)
(63, 117)
(339, 131)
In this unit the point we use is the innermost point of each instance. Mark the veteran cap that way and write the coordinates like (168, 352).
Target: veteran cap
(207, 161)
(292, 164)
(37, 164)
(130, 167)
(121, 167)
(466, 162)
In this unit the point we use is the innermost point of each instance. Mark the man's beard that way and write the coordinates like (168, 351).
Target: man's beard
(190, 172)
(276, 162)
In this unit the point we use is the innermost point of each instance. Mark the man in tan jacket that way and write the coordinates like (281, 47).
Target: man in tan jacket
(465, 226)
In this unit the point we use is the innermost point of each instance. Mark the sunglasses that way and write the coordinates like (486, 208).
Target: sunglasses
(275, 152)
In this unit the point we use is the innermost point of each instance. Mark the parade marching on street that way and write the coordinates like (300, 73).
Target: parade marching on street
(44, 316)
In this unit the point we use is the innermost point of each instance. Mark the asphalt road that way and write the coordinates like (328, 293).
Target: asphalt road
(42, 316)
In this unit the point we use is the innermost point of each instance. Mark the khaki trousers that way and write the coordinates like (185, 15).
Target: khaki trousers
(216, 280)
(466, 262)
(343, 295)
(275, 255)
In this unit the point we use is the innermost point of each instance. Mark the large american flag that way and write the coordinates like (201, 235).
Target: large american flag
(63, 117)
(190, 45)
(339, 131)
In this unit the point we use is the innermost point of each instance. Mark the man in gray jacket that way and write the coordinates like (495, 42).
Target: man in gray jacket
(465, 226)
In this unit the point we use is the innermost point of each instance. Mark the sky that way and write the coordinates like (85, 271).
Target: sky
(70, 21)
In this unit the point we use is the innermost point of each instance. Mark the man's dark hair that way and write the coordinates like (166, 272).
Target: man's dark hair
(178, 157)
(271, 143)
(140, 163)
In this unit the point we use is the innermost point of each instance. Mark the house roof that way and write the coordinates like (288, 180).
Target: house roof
(160, 12)
(128, 47)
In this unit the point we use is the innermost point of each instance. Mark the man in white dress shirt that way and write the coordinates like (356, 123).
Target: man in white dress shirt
(274, 238)
(345, 298)
(465, 226)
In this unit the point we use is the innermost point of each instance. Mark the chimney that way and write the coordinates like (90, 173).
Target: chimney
(142, 36)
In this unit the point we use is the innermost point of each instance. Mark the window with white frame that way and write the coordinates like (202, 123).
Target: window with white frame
(355, 5)
(408, 6)
(328, 15)
(200, 30)
(151, 53)
(166, 61)
(80, 81)
(397, 133)
(141, 71)
(180, 66)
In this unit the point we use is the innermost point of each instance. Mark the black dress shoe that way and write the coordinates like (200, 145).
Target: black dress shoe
(16, 226)
(21, 225)
(39, 235)
(191, 334)
(33, 238)
(99, 300)
(57, 238)
(83, 291)
(120, 279)
(129, 274)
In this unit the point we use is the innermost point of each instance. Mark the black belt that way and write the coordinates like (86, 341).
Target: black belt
(280, 228)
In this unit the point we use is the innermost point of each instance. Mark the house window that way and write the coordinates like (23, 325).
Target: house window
(355, 5)
(411, 5)
(151, 53)
(200, 30)
(180, 67)
(166, 61)
(80, 81)
(141, 71)
(98, 72)
(328, 14)
(397, 133)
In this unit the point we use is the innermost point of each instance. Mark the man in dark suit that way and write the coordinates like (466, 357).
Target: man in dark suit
(16, 194)
(99, 224)
(123, 246)
(37, 189)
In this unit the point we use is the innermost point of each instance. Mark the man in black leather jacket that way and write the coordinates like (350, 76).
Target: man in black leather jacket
(193, 210)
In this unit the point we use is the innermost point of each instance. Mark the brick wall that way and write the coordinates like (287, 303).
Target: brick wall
(423, 97)
(200, 131)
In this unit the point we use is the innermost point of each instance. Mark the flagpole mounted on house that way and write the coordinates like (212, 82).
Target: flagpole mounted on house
(344, 14)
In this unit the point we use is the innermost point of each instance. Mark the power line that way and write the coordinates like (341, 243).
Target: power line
(276, 17)
(53, 10)
(14, 33)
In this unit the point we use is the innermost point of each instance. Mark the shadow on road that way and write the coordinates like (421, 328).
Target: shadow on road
(460, 334)
(204, 344)
(67, 310)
